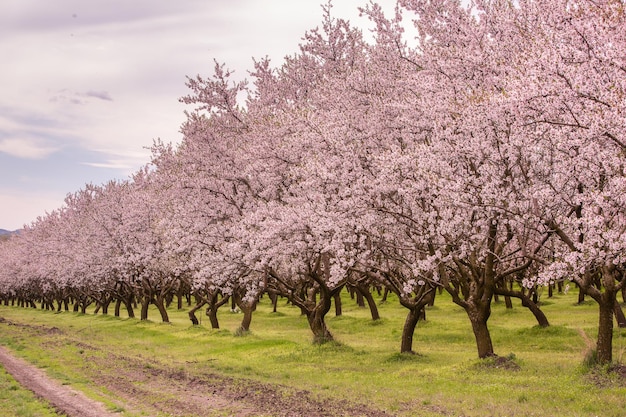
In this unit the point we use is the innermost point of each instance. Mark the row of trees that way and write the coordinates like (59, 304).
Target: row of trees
(488, 151)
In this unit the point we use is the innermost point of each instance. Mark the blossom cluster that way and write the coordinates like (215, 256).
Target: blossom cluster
(489, 149)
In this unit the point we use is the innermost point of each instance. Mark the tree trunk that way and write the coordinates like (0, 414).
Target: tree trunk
(385, 294)
(607, 301)
(372, 304)
(118, 305)
(541, 318)
(192, 313)
(604, 347)
(483, 339)
(274, 298)
(129, 306)
(360, 301)
(211, 313)
(410, 323)
(159, 301)
(247, 319)
(507, 302)
(247, 308)
(145, 304)
(321, 334)
(213, 304)
(478, 316)
(338, 310)
(619, 315)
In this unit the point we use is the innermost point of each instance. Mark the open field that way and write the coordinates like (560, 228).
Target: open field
(19, 402)
(149, 368)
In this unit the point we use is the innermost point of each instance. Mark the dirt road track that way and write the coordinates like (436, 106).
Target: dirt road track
(65, 399)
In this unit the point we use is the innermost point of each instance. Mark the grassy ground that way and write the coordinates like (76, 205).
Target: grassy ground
(18, 402)
(445, 378)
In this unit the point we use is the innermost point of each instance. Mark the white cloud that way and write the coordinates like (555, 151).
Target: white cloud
(26, 148)
(102, 95)
(66, 96)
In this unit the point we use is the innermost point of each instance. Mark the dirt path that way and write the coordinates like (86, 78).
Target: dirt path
(65, 399)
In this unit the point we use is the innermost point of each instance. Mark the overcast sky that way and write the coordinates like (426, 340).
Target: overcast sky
(87, 85)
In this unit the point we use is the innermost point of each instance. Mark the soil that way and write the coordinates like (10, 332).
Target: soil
(63, 398)
(141, 385)
(602, 377)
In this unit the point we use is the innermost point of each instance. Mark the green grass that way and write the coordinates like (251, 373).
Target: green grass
(18, 402)
(445, 378)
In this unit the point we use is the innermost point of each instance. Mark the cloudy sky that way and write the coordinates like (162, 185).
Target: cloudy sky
(87, 85)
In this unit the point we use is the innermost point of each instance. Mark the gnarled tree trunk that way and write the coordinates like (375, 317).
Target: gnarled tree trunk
(478, 315)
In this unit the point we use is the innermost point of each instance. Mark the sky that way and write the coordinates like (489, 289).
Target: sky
(88, 85)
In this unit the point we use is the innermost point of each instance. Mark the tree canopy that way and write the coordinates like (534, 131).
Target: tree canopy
(487, 151)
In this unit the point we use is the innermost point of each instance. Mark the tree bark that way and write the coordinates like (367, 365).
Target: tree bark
(213, 304)
(479, 315)
(604, 347)
(247, 319)
(274, 298)
(541, 318)
(372, 305)
(321, 334)
(159, 301)
(211, 313)
(145, 304)
(483, 339)
(619, 315)
(192, 313)
(507, 302)
(247, 307)
(385, 294)
(118, 305)
(603, 286)
(360, 301)
(105, 306)
(129, 306)
(338, 310)
(408, 330)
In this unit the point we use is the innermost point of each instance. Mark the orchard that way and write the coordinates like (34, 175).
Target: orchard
(484, 157)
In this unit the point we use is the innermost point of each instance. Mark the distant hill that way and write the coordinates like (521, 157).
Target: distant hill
(5, 232)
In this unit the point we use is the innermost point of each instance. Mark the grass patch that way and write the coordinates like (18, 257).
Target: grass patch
(19, 402)
(364, 364)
